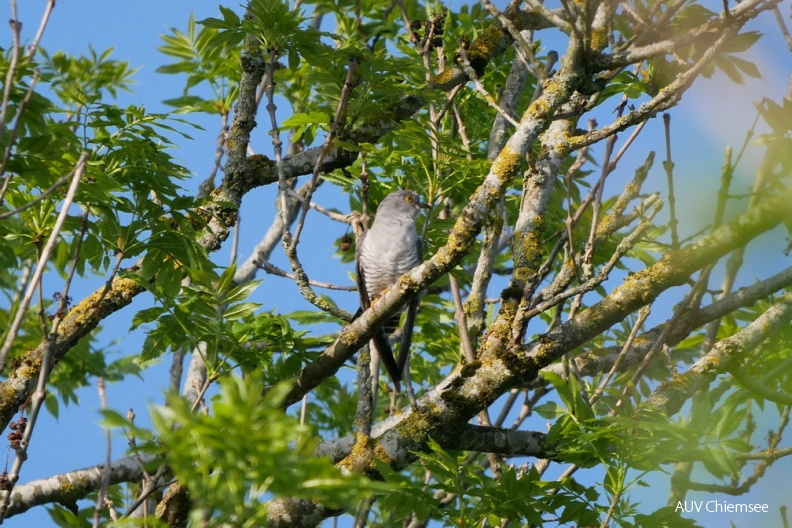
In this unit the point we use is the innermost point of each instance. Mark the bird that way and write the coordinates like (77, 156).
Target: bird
(389, 249)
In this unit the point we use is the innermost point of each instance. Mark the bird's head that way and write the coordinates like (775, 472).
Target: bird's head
(402, 204)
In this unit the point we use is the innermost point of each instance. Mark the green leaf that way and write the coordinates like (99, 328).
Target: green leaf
(229, 16)
(549, 410)
(217, 23)
(241, 310)
(747, 67)
(226, 279)
(204, 451)
(741, 42)
(241, 292)
(147, 315)
(112, 419)
(725, 64)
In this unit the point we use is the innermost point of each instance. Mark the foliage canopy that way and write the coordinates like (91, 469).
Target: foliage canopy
(546, 250)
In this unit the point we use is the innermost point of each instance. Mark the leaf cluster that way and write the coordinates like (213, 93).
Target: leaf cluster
(246, 452)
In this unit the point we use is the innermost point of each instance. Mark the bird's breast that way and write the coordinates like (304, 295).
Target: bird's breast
(386, 255)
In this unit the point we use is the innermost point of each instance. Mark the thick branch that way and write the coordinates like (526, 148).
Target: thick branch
(491, 44)
(726, 354)
(242, 175)
(443, 411)
(462, 237)
(80, 321)
(70, 487)
(594, 362)
(738, 16)
(496, 440)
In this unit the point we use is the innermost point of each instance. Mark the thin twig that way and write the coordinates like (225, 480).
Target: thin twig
(761, 389)
(338, 217)
(480, 87)
(461, 319)
(668, 165)
(42, 319)
(614, 220)
(626, 145)
(449, 100)
(474, 307)
(290, 242)
(16, 26)
(119, 256)
(44, 19)
(23, 284)
(642, 315)
(42, 262)
(611, 509)
(735, 261)
(664, 100)
(363, 511)
(766, 457)
(261, 91)
(782, 25)
(14, 131)
(608, 167)
(588, 257)
(303, 409)
(335, 126)
(304, 284)
(208, 185)
(644, 29)
(274, 270)
(364, 414)
(277, 144)
(52, 188)
(691, 300)
(524, 49)
(507, 407)
(204, 388)
(407, 23)
(550, 16)
(150, 485)
(46, 362)
(263, 250)
(727, 172)
(235, 241)
(105, 482)
(603, 274)
(580, 159)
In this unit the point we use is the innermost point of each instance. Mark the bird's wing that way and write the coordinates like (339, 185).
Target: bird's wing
(380, 338)
(365, 300)
(409, 322)
(407, 333)
(385, 352)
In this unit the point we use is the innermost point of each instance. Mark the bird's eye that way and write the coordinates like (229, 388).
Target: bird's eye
(409, 198)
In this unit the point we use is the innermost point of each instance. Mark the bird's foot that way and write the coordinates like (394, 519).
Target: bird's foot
(379, 296)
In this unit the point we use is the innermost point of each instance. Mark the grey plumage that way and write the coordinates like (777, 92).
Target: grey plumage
(389, 249)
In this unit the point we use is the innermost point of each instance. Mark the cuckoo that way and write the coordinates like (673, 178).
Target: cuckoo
(389, 249)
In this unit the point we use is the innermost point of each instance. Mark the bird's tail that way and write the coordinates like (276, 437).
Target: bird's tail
(384, 351)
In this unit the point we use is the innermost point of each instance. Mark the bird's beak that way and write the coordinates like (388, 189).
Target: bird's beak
(424, 205)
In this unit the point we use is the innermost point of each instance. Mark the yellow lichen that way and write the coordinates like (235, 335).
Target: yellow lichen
(359, 459)
(507, 165)
(484, 48)
(599, 39)
(442, 79)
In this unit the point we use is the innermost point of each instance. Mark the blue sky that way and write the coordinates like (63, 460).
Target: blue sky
(715, 113)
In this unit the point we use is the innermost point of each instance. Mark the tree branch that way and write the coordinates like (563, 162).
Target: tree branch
(725, 355)
(496, 440)
(462, 237)
(68, 488)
